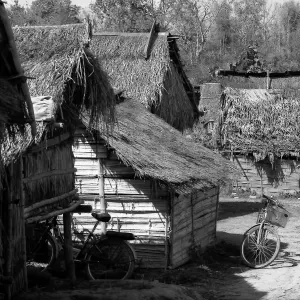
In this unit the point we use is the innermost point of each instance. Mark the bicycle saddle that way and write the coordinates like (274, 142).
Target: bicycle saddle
(102, 217)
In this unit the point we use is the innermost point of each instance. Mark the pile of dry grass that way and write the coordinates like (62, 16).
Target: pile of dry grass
(258, 121)
(17, 139)
(155, 82)
(155, 149)
(57, 57)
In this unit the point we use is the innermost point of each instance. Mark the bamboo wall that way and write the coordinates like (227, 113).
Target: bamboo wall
(137, 206)
(280, 180)
(194, 219)
(13, 232)
(48, 173)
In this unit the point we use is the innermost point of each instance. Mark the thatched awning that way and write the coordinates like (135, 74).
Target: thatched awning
(260, 121)
(155, 149)
(15, 105)
(158, 82)
(58, 59)
(22, 138)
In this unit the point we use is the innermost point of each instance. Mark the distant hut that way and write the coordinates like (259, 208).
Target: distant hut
(147, 67)
(59, 64)
(15, 112)
(260, 130)
(154, 182)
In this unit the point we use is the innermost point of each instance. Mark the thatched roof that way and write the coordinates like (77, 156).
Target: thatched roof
(260, 121)
(158, 82)
(13, 144)
(62, 67)
(155, 149)
(14, 102)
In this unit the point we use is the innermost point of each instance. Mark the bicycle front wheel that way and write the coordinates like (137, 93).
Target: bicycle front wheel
(260, 251)
(110, 259)
(43, 254)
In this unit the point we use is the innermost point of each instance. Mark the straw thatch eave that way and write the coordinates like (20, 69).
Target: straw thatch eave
(257, 121)
(156, 150)
(58, 59)
(15, 104)
(157, 82)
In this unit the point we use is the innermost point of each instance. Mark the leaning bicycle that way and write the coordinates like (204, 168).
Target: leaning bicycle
(261, 243)
(106, 256)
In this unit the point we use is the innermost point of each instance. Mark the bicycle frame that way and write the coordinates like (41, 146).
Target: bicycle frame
(48, 227)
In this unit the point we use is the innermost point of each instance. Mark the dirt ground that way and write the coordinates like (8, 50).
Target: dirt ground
(278, 281)
(216, 274)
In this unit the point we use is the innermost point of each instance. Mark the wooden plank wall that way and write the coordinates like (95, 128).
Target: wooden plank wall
(48, 173)
(14, 237)
(136, 205)
(193, 218)
(281, 179)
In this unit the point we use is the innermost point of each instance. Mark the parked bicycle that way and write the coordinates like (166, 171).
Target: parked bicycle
(41, 246)
(107, 256)
(261, 243)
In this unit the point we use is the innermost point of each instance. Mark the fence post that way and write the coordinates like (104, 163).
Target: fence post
(70, 267)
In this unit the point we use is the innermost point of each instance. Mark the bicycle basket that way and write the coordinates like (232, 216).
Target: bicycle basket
(277, 216)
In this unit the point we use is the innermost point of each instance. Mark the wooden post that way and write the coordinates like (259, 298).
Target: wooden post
(101, 193)
(268, 80)
(261, 184)
(22, 202)
(166, 243)
(217, 210)
(9, 250)
(70, 267)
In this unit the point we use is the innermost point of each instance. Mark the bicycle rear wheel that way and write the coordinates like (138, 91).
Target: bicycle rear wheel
(43, 254)
(110, 259)
(260, 252)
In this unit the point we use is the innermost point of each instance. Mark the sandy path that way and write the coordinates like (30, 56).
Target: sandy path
(281, 280)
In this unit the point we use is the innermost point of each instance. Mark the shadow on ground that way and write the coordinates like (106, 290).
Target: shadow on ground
(232, 208)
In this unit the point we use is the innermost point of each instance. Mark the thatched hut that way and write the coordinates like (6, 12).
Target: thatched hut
(59, 64)
(154, 182)
(260, 130)
(15, 112)
(147, 67)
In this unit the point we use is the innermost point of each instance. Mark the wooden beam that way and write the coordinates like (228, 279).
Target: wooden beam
(48, 174)
(49, 143)
(42, 203)
(68, 249)
(150, 41)
(101, 192)
(55, 213)
(128, 34)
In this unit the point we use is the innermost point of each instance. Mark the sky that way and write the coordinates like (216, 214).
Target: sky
(82, 3)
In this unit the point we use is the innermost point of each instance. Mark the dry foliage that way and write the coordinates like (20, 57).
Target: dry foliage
(258, 121)
(155, 149)
(57, 57)
(155, 82)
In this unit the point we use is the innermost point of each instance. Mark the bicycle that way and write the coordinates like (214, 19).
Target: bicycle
(261, 242)
(41, 246)
(106, 256)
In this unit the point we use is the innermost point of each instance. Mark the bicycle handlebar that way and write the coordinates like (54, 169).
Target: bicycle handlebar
(269, 199)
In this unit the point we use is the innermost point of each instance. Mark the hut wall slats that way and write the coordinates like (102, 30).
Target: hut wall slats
(133, 203)
(56, 165)
(282, 178)
(114, 186)
(17, 245)
(194, 223)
